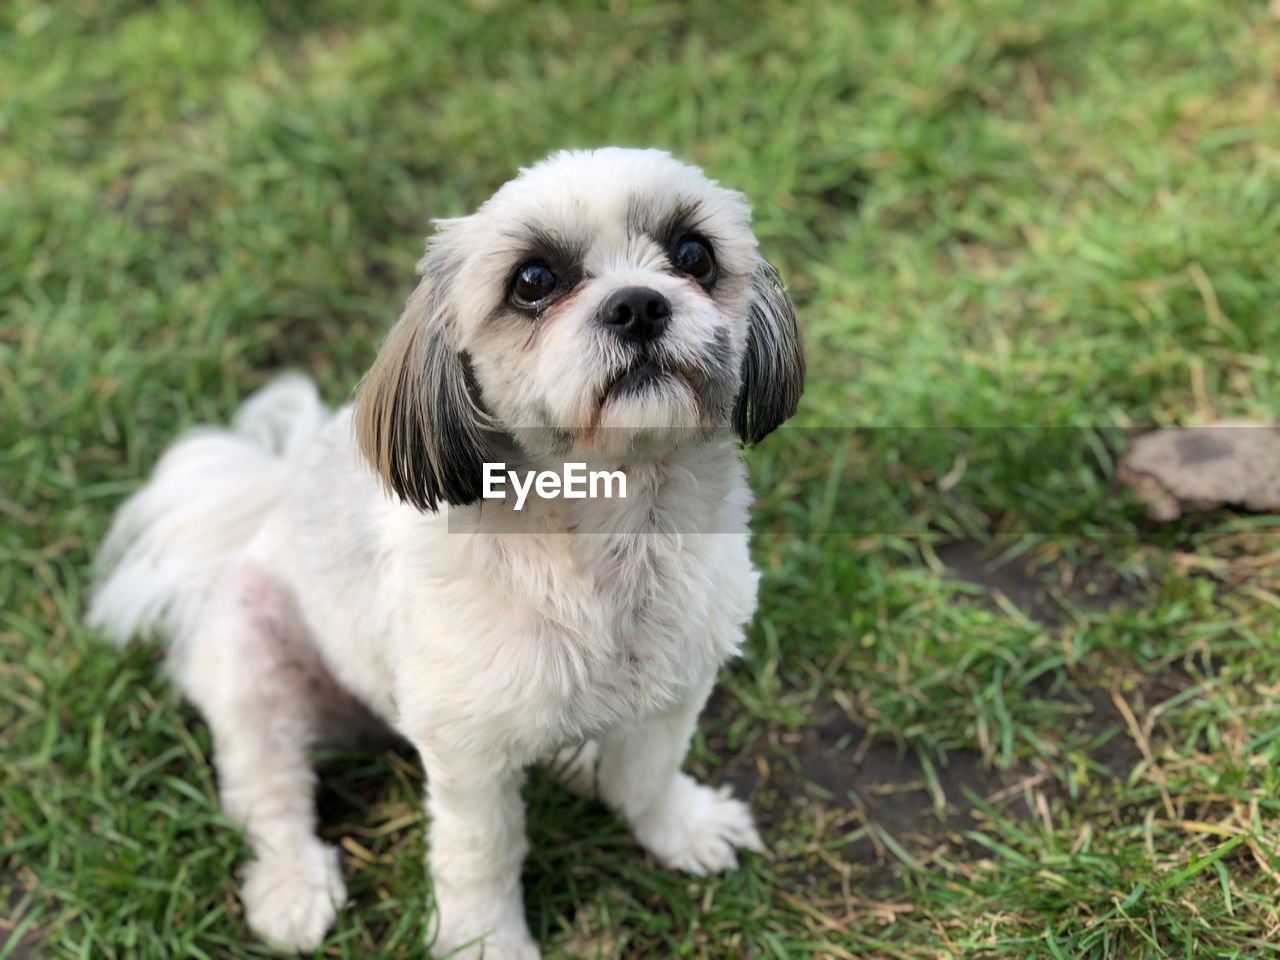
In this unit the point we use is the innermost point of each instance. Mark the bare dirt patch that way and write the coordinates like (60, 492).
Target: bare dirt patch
(1026, 584)
(882, 805)
(869, 802)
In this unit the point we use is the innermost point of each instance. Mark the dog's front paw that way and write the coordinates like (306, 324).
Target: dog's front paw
(291, 901)
(496, 946)
(698, 829)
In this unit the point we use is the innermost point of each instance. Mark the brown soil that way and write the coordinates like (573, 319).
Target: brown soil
(1027, 588)
(873, 786)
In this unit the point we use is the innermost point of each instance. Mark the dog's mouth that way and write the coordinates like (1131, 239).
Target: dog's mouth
(637, 378)
(647, 394)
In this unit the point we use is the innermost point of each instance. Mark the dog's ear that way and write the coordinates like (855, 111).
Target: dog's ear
(417, 420)
(773, 367)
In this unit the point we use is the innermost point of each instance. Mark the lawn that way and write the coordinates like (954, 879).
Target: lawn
(987, 708)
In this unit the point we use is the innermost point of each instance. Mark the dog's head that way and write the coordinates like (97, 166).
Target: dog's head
(604, 302)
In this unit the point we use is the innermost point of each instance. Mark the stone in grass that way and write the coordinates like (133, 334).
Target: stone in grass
(1232, 462)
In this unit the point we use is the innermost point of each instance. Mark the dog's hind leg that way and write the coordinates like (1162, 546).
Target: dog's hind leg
(268, 699)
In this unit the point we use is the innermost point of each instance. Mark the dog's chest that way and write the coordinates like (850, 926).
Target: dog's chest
(647, 610)
(622, 629)
(641, 636)
(529, 640)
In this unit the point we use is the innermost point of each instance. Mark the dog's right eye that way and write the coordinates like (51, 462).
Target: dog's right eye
(534, 283)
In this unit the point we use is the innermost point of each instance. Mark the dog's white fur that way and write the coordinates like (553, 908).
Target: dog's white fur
(301, 601)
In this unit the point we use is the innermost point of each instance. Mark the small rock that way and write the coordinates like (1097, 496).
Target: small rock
(1232, 462)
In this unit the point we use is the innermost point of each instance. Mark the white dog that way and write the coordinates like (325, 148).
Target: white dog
(313, 571)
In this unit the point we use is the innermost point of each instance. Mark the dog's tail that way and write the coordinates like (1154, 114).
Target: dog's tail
(205, 501)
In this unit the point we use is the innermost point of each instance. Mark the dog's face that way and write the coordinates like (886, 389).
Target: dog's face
(607, 302)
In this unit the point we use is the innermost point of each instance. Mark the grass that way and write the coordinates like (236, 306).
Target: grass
(1003, 717)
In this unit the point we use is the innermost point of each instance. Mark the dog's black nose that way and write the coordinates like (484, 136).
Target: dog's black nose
(636, 313)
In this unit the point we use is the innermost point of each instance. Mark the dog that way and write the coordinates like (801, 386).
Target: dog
(317, 573)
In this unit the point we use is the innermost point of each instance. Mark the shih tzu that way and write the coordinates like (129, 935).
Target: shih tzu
(317, 572)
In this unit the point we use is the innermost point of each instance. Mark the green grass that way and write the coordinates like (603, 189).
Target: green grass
(992, 213)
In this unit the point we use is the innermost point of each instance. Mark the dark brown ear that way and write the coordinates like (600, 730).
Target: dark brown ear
(773, 367)
(417, 421)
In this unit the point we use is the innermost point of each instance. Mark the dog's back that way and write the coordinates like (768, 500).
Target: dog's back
(204, 502)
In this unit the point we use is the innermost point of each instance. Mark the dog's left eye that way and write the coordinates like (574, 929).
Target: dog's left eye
(534, 283)
(693, 256)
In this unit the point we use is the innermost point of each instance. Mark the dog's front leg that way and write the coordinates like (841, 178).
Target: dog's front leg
(685, 824)
(476, 845)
